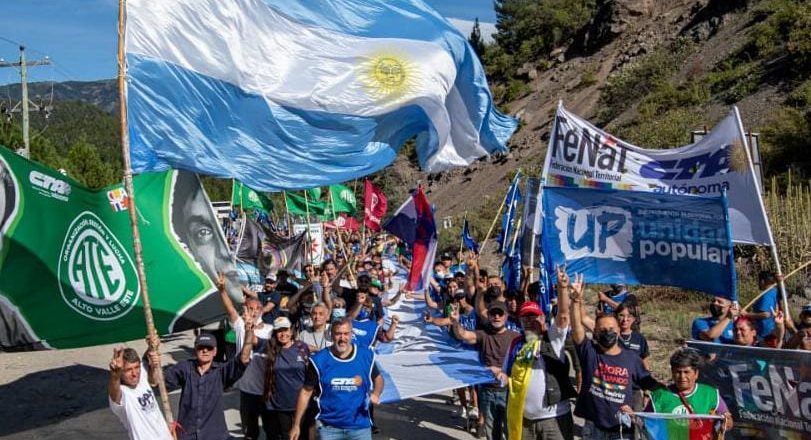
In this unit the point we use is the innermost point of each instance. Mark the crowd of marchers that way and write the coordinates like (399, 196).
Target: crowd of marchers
(303, 353)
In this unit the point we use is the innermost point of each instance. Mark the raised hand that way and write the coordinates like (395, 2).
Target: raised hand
(117, 362)
(220, 281)
(577, 287)
(779, 317)
(563, 278)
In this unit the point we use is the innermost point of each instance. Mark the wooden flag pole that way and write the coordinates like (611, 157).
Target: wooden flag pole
(287, 216)
(341, 240)
(493, 225)
(136, 236)
(309, 240)
(770, 286)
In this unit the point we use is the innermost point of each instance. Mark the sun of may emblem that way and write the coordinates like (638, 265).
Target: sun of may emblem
(388, 76)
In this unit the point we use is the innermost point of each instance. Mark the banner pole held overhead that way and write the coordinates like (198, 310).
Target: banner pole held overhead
(136, 236)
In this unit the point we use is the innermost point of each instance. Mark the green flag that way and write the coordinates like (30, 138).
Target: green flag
(314, 194)
(343, 199)
(67, 270)
(247, 198)
(297, 205)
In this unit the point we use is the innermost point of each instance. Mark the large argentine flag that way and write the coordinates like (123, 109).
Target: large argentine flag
(288, 94)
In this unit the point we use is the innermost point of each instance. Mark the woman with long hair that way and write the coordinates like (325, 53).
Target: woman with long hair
(284, 377)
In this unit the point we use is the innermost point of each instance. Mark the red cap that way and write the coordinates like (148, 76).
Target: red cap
(530, 308)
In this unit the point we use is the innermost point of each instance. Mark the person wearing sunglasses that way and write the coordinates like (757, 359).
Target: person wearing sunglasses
(201, 413)
(492, 343)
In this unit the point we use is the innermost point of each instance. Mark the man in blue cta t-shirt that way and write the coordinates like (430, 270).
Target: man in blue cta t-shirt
(348, 381)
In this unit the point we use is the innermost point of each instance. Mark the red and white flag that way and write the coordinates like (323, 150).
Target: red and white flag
(374, 206)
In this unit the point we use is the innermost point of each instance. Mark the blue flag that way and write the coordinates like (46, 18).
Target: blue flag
(286, 95)
(511, 268)
(468, 240)
(629, 237)
(513, 198)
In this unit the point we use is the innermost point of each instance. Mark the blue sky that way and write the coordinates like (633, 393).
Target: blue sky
(80, 35)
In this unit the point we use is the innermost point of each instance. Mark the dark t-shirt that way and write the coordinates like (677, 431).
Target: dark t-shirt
(493, 347)
(608, 382)
(288, 375)
(636, 343)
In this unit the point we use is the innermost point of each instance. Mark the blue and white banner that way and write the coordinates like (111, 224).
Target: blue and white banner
(629, 237)
(581, 155)
(297, 94)
(423, 359)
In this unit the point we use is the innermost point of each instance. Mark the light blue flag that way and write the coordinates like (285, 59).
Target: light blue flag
(286, 95)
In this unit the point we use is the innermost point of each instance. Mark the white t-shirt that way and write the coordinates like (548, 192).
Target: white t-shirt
(534, 408)
(139, 412)
(253, 379)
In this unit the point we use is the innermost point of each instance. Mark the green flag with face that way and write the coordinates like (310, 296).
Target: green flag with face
(247, 198)
(343, 199)
(67, 269)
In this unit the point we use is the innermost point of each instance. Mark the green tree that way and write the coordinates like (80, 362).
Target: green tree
(476, 40)
(84, 163)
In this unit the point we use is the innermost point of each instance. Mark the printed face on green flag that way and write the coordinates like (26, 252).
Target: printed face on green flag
(67, 272)
(343, 199)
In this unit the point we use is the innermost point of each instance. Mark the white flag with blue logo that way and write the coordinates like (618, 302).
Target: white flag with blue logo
(287, 95)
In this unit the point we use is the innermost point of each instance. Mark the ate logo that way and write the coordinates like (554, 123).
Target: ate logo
(596, 232)
(96, 275)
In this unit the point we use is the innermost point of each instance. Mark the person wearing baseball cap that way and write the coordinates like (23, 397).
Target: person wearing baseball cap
(537, 371)
(492, 345)
(201, 412)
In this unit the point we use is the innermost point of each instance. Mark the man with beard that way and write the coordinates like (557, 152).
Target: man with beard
(610, 373)
(717, 327)
(538, 374)
(492, 345)
(349, 380)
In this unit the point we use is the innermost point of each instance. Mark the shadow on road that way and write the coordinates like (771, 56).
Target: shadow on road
(412, 420)
(51, 396)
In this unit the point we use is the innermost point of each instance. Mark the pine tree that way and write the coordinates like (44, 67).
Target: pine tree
(476, 40)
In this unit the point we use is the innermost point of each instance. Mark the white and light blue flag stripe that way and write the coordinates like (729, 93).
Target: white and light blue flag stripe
(287, 95)
(423, 359)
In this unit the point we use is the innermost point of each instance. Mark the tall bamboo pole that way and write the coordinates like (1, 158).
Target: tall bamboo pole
(309, 239)
(493, 225)
(136, 235)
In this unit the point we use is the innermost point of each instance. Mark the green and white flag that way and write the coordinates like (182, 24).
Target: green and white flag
(343, 199)
(67, 270)
(247, 198)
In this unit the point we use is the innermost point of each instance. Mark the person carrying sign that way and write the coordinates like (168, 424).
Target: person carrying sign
(685, 395)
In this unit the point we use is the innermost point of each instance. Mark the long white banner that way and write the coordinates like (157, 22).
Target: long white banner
(582, 155)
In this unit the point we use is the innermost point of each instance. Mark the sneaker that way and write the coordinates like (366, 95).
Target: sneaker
(463, 412)
(473, 413)
(480, 431)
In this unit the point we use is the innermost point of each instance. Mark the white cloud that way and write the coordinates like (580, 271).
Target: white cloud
(465, 26)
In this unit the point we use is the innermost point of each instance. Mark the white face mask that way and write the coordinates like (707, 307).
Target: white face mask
(338, 314)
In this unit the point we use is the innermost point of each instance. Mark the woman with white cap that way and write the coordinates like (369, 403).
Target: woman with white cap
(284, 377)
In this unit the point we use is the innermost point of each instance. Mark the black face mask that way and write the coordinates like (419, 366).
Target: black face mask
(607, 339)
(716, 311)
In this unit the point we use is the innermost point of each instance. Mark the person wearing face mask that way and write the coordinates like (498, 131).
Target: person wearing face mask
(492, 345)
(609, 372)
(537, 372)
(717, 327)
